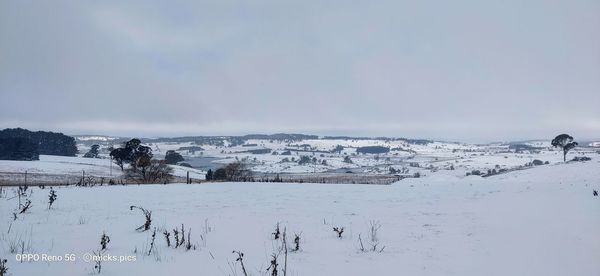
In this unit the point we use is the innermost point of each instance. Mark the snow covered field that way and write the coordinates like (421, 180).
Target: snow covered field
(50, 166)
(283, 156)
(404, 158)
(541, 221)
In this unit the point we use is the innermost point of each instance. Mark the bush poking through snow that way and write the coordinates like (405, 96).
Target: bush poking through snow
(373, 246)
(347, 159)
(97, 262)
(152, 241)
(25, 207)
(147, 215)
(296, 242)
(339, 231)
(167, 237)
(240, 259)
(373, 228)
(189, 245)
(273, 266)
(3, 267)
(176, 234)
(19, 243)
(277, 232)
(373, 238)
(285, 251)
(360, 243)
(182, 235)
(180, 240)
(51, 198)
(104, 240)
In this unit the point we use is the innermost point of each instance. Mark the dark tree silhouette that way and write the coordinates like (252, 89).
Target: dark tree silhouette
(220, 174)
(237, 171)
(338, 149)
(120, 156)
(304, 160)
(93, 153)
(565, 142)
(18, 148)
(48, 143)
(209, 175)
(172, 157)
(134, 153)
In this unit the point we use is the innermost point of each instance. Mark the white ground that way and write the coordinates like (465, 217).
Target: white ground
(431, 157)
(99, 167)
(542, 221)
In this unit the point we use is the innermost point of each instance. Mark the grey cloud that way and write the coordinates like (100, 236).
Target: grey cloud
(463, 70)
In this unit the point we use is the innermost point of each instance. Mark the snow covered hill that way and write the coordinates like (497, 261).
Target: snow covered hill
(326, 156)
(542, 221)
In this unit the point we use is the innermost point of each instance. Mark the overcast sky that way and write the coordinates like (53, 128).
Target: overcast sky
(456, 70)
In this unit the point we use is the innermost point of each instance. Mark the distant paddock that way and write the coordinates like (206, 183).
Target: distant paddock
(45, 179)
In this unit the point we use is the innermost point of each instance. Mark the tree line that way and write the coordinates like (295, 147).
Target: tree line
(22, 144)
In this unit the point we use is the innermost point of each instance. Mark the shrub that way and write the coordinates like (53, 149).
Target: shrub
(187, 165)
(296, 242)
(237, 171)
(220, 174)
(348, 160)
(209, 175)
(3, 267)
(581, 159)
(51, 198)
(537, 162)
(277, 232)
(304, 160)
(147, 216)
(24, 207)
(240, 259)
(104, 240)
(150, 171)
(338, 149)
(339, 231)
(153, 237)
(172, 157)
(93, 152)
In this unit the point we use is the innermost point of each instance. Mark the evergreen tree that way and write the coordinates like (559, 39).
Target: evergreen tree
(209, 175)
(565, 142)
(173, 157)
(93, 153)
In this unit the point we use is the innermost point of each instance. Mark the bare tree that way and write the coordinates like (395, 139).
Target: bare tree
(238, 171)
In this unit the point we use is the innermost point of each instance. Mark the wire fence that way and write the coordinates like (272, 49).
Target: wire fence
(46, 179)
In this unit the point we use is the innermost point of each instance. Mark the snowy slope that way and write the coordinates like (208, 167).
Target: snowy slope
(542, 221)
(64, 165)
